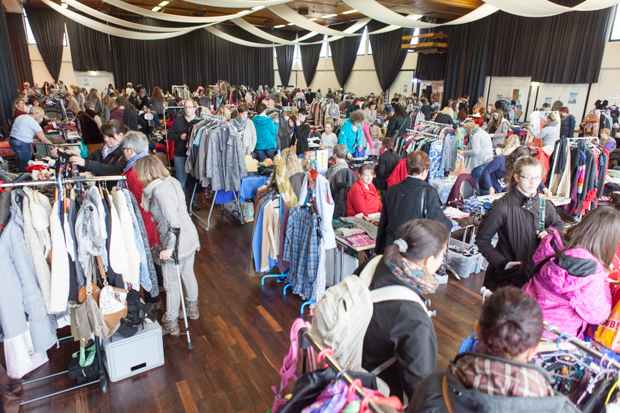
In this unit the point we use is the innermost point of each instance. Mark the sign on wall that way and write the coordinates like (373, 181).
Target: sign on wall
(572, 99)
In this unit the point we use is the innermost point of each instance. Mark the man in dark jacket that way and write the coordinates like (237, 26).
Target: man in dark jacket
(567, 128)
(301, 133)
(179, 133)
(426, 109)
(143, 102)
(412, 198)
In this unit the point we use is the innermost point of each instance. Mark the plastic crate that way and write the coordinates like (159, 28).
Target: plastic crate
(126, 357)
(462, 265)
(5, 149)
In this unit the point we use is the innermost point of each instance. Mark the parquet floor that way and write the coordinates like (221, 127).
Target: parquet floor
(239, 341)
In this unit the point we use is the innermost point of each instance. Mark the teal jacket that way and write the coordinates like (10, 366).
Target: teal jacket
(349, 138)
(266, 130)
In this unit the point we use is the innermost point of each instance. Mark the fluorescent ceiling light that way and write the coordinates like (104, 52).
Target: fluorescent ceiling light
(93, 73)
(164, 3)
(279, 26)
(258, 8)
(349, 12)
(290, 24)
(312, 19)
(156, 8)
(329, 15)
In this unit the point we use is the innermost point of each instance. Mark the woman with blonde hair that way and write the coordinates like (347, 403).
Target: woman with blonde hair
(445, 116)
(293, 168)
(164, 198)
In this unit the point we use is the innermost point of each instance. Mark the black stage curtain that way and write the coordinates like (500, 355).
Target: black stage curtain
(454, 62)
(48, 27)
(19, 48)
(387, 53)
(197, 58)
(285, 55)
(476, 56)
(310, 56)
(8, 81)
(344, 53)
(431, 66)
(90, 49)
(567, 48)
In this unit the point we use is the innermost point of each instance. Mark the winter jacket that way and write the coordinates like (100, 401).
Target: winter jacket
(515, 219)
(479, 150)
(300, 138)
(350, 138)
(429, 398)
(224, 173)
(169, 210)
(22, 307)
(571, 289)
(362, 200)
(567, 129)
(427, 111)
(398, 126)
(400, 329)
(444, 118)
(549, 133)
(136, 188)
(113, 164)
(91, 133)
(403, 203)
(266, 130)
(387, 162)
(178, 128)
(494, 172)
(499, 136)
(346, 176)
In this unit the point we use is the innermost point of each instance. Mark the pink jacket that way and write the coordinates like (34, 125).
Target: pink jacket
(571, 289)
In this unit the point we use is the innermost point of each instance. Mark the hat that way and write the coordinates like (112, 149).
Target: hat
(476, 115)
(302, 111)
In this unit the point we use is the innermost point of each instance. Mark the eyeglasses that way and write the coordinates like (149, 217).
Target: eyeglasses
(126, 149)
(531, 178)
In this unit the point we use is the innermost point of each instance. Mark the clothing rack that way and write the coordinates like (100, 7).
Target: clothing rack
(306, 339)
(415, 132)
(580, 344)
(430, 122)
(103, 380)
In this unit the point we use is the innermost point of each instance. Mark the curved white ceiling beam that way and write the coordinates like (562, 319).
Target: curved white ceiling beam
(477, 14)
(291, 16)
(114, 31)
(124, 23)
(237, 4)
(545, 8)
(175, 17)
(248, 27)
(234, 39)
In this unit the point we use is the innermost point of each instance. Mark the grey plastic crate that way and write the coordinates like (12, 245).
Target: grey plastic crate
(464, 266)
(126, 357)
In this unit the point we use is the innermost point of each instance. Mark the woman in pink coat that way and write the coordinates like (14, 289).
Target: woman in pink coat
(570, 281)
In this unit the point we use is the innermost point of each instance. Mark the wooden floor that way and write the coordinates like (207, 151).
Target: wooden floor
(239, 341)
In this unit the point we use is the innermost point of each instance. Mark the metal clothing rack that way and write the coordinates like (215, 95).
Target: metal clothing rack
(580, 344)
(307, 339)
(415, 132)
(103, 380)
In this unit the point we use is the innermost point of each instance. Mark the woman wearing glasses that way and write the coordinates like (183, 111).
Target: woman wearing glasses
(520, 219)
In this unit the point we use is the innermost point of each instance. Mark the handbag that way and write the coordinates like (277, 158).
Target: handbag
(112, 300)
(590, 118)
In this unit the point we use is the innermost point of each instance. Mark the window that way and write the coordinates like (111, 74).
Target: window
(361, 51)
(275, 54)
(324, 47)
(615, 29)
(30, 36)
(329, 50)
(416, 32)
(297, 54)
(369, 47)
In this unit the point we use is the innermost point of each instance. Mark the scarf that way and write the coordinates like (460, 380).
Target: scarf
(239, 123)
(414, 276)
(498, 378)
(147, 193)
(130, 164)
(106, 150)
(333, 171)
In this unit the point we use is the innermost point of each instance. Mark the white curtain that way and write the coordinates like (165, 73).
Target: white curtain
(175, 17)
(291, 16)
(237, 4)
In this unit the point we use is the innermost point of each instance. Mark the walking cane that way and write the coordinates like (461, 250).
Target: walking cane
(175, 256)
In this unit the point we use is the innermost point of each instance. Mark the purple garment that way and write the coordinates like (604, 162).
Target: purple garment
(571, 300)
(610, 146)
(574, 192)
(283, 265)
(331, 400)
(360, 240)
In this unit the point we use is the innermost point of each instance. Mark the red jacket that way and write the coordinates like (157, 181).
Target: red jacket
(360, 199)
(136, 187)
(398, 174)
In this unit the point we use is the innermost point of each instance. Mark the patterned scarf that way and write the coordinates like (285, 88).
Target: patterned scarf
(239, 123)
(414, 276)
(498, 378)
(130, 164)
(106, 150)
(333, 171)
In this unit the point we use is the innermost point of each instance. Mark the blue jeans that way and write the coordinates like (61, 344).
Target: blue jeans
(265, 153)
(23, 152)
(484, 192)
(179, 167)
(477, 172)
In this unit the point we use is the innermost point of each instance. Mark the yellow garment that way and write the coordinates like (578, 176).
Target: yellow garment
(284, 185)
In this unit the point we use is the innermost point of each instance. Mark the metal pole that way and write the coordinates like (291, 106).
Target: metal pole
(63, 181)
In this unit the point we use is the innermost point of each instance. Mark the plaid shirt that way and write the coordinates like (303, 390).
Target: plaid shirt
(497, 378)
(301, 250)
